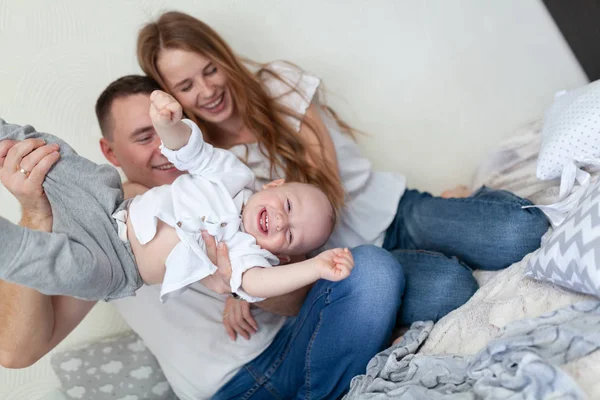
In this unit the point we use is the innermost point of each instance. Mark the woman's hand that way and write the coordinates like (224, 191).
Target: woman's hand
(238, 319)
(23, 168)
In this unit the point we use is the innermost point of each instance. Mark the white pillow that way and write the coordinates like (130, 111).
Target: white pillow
(571, 130)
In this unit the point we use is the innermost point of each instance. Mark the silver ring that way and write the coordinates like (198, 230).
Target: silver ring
(24, 172)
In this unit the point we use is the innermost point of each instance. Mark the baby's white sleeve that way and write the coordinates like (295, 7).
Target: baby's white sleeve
(195, 157)
(244, 255)
(204, 160)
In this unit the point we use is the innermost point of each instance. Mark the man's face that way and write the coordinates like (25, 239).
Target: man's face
(134, 145)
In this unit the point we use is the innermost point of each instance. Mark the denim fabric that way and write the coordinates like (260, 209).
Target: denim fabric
(340, 327)
(489, 230)
(437, 241)
(434, 285)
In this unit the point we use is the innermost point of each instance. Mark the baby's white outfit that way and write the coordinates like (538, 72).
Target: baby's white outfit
(209, 198)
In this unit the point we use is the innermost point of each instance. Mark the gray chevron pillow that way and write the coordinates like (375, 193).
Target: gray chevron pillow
(570, 257)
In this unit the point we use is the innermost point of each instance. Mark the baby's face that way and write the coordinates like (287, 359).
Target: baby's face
(289, 219)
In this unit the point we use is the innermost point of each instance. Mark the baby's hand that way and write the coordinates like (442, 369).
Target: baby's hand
(165, 111)
(334, 265)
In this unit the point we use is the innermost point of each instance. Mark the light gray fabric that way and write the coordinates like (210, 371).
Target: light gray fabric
(570, 256)
(522, 364)
(115, 368)
(83, 257)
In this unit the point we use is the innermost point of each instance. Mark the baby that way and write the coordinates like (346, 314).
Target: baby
(103, 248)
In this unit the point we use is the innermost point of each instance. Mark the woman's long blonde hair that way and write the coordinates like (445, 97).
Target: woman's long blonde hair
(264, 116)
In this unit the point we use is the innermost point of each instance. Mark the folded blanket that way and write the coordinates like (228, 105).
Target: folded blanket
(523, 363)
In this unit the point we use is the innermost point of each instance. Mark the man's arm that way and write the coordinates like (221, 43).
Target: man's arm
(31, 324)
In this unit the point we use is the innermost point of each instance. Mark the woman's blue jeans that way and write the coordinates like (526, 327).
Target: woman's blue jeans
(433, 245)
(439, 241)
(341, 325)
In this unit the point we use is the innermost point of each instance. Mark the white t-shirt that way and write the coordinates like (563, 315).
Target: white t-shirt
(210, 197)
(186, 334)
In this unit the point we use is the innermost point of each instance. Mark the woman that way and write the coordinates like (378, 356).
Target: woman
(272, 119)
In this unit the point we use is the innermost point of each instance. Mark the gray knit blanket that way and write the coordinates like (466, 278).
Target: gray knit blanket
(523, 363)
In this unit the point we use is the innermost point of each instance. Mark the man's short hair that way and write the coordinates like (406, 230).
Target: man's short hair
(122, 87)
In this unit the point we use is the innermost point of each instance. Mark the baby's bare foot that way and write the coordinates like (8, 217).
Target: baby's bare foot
(458, 192)
(399, 333)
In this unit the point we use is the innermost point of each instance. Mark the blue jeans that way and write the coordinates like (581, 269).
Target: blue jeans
(439, 241)
(341, 325)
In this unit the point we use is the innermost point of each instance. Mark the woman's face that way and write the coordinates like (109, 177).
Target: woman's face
(197, 84)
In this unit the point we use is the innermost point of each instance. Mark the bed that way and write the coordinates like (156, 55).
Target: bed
(505, 299)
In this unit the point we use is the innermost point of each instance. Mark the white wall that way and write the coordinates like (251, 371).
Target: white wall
(435, 83)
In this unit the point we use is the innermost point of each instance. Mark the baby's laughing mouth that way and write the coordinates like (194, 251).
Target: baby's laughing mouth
(263, 221)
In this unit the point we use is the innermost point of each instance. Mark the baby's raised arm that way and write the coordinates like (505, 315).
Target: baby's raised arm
(166, 114)
(201, 158)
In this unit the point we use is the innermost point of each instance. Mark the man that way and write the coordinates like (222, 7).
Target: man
(315, 354)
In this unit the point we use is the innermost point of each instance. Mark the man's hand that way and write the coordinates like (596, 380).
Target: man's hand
(23, 168)
(236, 315)
(219, 256)
(165, 111)
(334, 265)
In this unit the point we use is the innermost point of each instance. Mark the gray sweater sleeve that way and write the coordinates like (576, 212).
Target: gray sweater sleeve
(83, 256)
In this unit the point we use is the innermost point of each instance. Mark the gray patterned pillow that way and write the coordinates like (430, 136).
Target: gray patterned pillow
(570, 257)
(116, 368)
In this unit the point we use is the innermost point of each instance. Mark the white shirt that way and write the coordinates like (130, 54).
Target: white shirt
(210, 197)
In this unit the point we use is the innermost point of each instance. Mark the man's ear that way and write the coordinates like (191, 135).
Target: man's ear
(109, 154)
(273, 184)
(283, 259)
